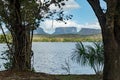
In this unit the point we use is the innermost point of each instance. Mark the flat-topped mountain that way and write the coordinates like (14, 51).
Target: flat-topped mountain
(68, 30)
(65, 30)
(89, 31)
(39, 31)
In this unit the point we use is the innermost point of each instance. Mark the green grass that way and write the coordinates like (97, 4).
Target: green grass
(2, 38)
(66, 38)
(77, 77)
(14, 75)
(59, 38)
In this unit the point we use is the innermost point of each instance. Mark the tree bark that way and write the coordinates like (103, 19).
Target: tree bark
(110, 26)
(21, 51)
(21, 41)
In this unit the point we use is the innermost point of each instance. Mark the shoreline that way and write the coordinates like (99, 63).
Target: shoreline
(60, 38)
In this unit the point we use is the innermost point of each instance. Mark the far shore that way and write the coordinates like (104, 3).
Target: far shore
(60, 38)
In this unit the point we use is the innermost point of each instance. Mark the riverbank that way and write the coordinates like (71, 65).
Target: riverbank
(59, 38)
(67, 38)
(9, 75)
(78, 77)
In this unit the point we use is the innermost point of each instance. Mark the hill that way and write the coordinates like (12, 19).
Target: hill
(39, 31)
(65, 30)
(89, 31)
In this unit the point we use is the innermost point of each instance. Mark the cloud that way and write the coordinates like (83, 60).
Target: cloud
(70, 4)
(92, 25)
(49, 25)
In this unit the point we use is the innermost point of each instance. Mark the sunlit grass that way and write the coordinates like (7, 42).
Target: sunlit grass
(66, 38)
(76, 77)
(58, 38)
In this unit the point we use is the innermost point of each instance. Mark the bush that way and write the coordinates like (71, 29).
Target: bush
(2, 38)
(9, 59)
(91, 55)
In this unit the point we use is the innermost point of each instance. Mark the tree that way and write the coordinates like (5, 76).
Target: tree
(91, 55)
(21, 17)
(110, 26)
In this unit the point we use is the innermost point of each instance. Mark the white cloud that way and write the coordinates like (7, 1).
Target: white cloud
(50, 28)
(92, 25)
(70, 4)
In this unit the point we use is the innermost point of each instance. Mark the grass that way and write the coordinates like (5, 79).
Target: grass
(59, 38)
(66, 38)
(13, 75)
(77, 77)
(2, 38)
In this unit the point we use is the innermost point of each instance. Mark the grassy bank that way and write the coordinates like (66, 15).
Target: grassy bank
(77, 77)
(13, 75)
(66, 38)
(59, 38)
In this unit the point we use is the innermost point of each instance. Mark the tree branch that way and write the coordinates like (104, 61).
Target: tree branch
(95, 4)
(6, 38)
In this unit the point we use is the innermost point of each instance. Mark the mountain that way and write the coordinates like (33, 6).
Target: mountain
(39, 31)
(65, 30)
(89, 31)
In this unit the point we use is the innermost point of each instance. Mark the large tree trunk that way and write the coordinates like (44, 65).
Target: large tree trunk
(22, 50)
(112, 41)
(110, 26)
(21, 40)
(111, 54)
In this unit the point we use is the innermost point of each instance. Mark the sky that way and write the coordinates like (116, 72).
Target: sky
(83, 16)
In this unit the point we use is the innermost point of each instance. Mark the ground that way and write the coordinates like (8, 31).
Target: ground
(13, 75)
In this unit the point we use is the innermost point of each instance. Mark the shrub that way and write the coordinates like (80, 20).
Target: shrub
(91, 55)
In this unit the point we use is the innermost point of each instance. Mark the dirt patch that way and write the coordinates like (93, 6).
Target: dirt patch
(15, 75)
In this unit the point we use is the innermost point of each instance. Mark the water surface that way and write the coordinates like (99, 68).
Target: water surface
(49, 57)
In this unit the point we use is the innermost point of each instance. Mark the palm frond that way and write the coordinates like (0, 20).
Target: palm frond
(80, 55)
(91, 55)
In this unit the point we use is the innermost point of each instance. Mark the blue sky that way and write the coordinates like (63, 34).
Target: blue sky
(83, 16)
(84, 13)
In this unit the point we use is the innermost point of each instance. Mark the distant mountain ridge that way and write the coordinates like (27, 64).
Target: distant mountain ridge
(65, 30)
(70, 30)
(39, 31)
(89, 31)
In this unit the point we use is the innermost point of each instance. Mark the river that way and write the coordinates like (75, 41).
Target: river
(49, 57)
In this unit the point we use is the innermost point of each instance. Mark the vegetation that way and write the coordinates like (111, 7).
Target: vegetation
(67, 66)
(109, 21)
(2, 38)
(90, 55)
(66, 38)
(8, 59)
(21, 18)
(59, 38)
(43, 76)
(76, 77)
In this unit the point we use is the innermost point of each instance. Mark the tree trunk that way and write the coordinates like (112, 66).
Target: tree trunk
(112, 41)
(111, 65)
(21, 39)
(22, 50)
(110, 26)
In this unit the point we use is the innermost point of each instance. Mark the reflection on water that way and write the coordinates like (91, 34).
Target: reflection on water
(50, 56)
